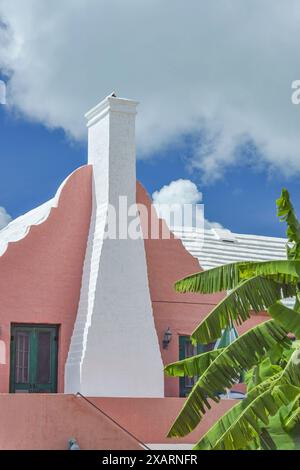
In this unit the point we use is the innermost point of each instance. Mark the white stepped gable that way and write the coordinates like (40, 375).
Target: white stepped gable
(20, 227)
(114, 348)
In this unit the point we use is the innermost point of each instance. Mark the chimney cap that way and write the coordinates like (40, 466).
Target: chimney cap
(113, 104)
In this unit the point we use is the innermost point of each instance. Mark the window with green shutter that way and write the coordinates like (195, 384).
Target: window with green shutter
(187, 349)
(33, 364)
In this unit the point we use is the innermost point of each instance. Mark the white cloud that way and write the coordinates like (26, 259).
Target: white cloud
(2, 92)
(216, 225)
(5, 218)
(177, 204)
(178, 192)
(181, 192)
(217, 68)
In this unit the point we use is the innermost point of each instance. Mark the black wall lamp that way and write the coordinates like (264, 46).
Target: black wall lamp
(167, 338)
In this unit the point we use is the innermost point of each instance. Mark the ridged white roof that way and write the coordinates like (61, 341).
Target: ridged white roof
(214, 247)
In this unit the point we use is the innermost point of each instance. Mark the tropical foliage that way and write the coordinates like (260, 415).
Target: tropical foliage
(269, 416)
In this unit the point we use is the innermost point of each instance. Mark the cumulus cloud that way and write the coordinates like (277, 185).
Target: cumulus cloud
(177, 203)
(215, 225)
(5, 218)
(2, 92)
(215, 69)
(177, 194)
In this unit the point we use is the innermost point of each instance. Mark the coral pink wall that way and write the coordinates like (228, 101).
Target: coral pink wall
(150, 419)
(40, 275)
(168, 261)
(48, 421)
(43, 421)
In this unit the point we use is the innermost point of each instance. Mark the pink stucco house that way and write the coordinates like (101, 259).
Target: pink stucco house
(82, 313)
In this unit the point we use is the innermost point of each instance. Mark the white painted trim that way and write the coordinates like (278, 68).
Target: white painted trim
(110, 104)
(20, 227)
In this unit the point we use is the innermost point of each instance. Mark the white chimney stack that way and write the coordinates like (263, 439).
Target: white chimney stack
(111, 148)
(114, 349)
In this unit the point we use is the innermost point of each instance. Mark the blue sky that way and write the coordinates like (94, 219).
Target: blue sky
(213, 82)
(35, 160)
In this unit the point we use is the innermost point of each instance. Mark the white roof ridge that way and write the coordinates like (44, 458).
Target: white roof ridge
(213, 251)
(235, 234)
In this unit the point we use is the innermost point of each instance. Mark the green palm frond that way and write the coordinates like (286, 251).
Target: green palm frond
(291, 373)
(261, 372)
(236, 428)
(287, 317)
(242, 423)
(229, 276)
(293, 418)
(224, 371)
(284, 271)
(192, 366)
(210, 281)
(286, 213)
(284, 437)
(271, 407)
(255, 294)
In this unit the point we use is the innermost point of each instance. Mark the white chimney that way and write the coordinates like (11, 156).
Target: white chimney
(114, 349)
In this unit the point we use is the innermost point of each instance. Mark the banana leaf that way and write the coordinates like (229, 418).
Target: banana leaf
(255, 294)
(224, 371)
(244, 422)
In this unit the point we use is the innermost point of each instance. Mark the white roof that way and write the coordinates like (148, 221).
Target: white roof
(214, 247)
